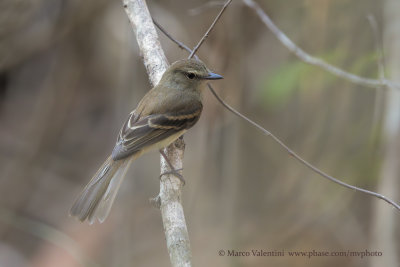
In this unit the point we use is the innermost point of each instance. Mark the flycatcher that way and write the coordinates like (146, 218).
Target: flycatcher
(164, 114)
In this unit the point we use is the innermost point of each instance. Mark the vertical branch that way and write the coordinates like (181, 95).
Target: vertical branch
(385, 224)
(307, 58)
(169, 199)
(153, 56)
(379, 94)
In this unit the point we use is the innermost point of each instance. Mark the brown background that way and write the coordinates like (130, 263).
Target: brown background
(70, 72)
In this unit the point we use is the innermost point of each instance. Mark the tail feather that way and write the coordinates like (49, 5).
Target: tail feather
(97, 197)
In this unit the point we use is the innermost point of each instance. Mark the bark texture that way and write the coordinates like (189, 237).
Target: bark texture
(169, 199)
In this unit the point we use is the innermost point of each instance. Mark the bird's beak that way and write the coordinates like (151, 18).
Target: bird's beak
(213, 76)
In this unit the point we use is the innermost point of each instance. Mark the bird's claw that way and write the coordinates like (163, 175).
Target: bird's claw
(175, 173)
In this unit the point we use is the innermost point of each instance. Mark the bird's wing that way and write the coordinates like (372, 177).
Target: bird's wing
(140, 133)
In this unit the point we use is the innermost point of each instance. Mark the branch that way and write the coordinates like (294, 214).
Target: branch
(209, 29)
(169, 199)
(291, 152)
(307, 58)
(300, 159)
(180, 44)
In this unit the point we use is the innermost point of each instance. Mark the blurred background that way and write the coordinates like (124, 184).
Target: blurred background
(71, 71)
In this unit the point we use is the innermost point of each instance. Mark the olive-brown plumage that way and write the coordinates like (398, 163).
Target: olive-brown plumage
(162, 116)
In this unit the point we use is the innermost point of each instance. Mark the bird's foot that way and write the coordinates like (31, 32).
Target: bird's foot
(175, 173)
(173, 170)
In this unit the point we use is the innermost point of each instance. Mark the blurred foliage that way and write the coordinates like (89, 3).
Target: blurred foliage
(278, 87)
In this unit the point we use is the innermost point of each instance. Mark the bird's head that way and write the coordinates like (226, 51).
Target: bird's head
(188, 74)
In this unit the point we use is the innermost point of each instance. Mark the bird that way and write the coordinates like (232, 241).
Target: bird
(164, 114)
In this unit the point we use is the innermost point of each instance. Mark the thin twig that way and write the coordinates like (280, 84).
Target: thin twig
(300, 159)
(180, 44)
(291, 152)
(307, 58)
(209, 29)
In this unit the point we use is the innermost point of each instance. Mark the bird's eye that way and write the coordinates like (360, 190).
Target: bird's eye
(190, 75)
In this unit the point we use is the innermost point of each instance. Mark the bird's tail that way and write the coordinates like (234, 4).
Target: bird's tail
(97, 197)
